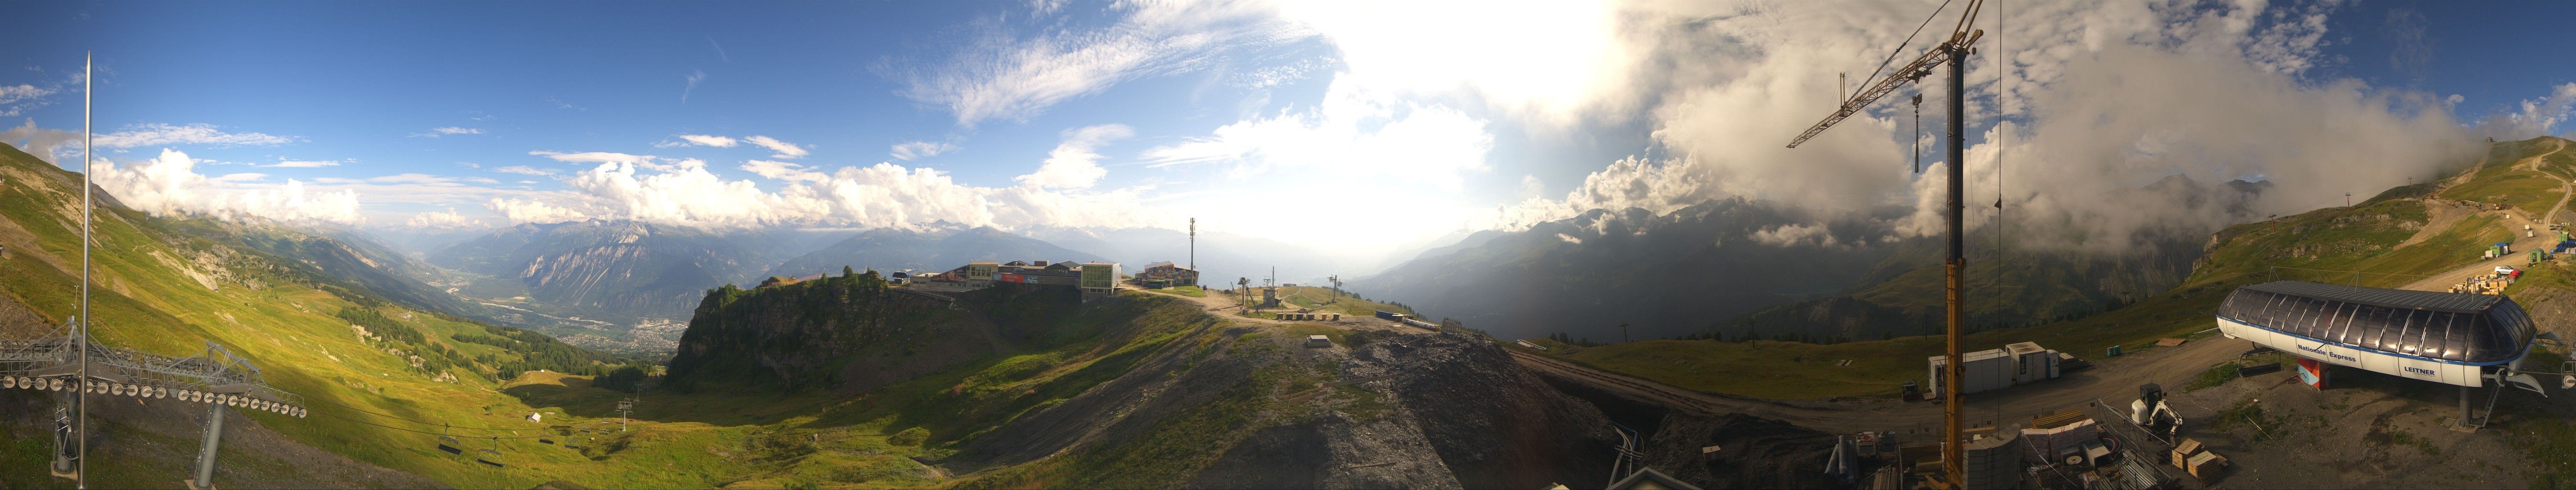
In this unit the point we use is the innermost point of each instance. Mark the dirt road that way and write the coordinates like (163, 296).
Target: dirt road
(2113, 380)
(2513, 222)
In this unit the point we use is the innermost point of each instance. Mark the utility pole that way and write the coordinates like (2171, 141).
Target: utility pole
(2347, 199)
(1953, 52)
(623, 408)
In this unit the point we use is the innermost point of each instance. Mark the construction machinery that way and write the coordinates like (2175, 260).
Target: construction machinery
(2151, 413)
(1952, 51)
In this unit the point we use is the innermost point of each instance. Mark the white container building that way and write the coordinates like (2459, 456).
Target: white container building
(2019, 363)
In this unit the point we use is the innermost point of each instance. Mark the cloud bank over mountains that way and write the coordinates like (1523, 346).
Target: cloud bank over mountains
(2095, 100)
(169, 184)
(1058, 192)
(2098, 98)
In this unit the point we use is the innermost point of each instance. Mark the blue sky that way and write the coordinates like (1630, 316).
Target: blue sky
(1015, 114)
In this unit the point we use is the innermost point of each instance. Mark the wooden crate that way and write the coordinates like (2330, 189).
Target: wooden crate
(2206, 465)
(2182, 453)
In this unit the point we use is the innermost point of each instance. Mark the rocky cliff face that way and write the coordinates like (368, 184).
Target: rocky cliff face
(846, 333)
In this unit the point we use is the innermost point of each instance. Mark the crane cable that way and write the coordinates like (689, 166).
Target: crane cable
(1900, 47)
(2002, 138)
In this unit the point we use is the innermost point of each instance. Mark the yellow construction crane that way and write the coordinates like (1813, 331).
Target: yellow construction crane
(1954, 52)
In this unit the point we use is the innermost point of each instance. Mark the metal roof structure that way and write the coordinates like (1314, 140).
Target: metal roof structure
(2393, 298)
(2457, 328)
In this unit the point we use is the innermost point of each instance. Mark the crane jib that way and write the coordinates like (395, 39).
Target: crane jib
(1912, 72)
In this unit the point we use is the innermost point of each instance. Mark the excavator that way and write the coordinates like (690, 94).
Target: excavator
(2151, 413)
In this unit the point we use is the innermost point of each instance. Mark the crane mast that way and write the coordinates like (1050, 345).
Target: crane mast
(1953, 52)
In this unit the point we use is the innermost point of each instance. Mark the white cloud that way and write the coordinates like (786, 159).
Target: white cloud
(158, 134)
(1005, 78)
(1349, 135)
(533, 211)
(169, 185)
(2531, 117)
(705, 140)
(883, 195)
(1792, 235)
(1552, 61)
(781, 171)
(784, 149)
(446, 131)
(1569, 238)
(18, 99)
(2207, 91)
(242, 177)
(303, 164)
(692, 80)
(920, 149)
(525, 170)
(444, 220)
(592, 157)
(52, 145)
(1074, 163)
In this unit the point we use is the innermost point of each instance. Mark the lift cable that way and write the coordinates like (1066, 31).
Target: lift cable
(342, 417)
(412, 420)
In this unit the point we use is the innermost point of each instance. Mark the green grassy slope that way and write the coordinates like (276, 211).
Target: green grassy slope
(2503, 178)
(2364, 237)
(171, 293)
(1322, 300)
(735, 427)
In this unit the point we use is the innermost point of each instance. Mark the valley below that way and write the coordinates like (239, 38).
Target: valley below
(495, 376)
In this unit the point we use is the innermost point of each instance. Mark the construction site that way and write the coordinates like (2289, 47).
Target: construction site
(2307, 378)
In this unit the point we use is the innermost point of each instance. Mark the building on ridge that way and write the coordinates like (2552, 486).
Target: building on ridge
(1166, 274)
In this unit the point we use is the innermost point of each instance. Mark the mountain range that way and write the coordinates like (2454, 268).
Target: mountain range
(1661, 275)
(1732, 268)
(934, 249)
(612, 269)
